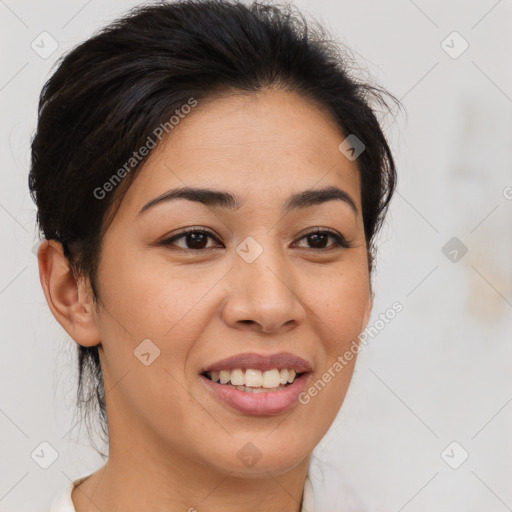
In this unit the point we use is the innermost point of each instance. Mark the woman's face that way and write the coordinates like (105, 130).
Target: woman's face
(255, 283)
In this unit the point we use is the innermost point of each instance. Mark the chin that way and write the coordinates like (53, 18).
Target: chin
(260, 455)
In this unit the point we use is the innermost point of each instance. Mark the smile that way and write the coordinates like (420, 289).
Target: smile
(259, 393)
(254, 380)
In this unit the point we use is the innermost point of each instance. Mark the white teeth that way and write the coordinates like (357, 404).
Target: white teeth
(225, 376)
(246, 389)
(271, 379)
(237, 377)
(253, 378)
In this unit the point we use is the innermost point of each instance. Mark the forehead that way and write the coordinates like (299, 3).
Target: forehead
(266, 145)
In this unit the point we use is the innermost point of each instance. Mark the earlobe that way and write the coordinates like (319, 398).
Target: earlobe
(69, 300)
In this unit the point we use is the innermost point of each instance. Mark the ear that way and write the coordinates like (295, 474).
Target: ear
(70, 301)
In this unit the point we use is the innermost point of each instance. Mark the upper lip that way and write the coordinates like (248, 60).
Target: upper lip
(261, 362)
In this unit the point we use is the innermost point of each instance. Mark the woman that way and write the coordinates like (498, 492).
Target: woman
(209, 181)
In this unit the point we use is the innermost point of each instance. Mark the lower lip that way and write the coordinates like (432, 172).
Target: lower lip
(271, 402)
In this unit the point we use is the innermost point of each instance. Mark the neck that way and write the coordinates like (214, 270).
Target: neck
(142, 476)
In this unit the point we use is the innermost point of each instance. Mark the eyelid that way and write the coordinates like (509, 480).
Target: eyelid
(192, 229)
(341, 241)
(166, 240)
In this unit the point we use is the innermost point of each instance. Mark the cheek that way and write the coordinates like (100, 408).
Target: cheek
(162, 304)
(150, 299)
(341, 310)
(342, 304)
(165, 308)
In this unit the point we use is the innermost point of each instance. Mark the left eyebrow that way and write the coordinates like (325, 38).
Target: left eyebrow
(223, 199)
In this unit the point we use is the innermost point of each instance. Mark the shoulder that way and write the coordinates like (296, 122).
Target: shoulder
(308, 502)
(62, 501)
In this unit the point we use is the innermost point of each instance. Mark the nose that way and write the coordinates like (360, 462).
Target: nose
(263, 296)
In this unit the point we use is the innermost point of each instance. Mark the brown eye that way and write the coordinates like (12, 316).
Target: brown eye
(318, 240)
(194, 240)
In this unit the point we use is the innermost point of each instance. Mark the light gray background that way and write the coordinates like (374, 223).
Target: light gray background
(439, 372)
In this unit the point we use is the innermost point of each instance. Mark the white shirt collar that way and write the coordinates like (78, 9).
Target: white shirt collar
(64, 503)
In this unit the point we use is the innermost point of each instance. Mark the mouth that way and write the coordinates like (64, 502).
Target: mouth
(254, 397)
(253, 380)
(255, 383)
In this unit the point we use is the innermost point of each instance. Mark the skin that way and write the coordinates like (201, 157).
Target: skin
(174, 446)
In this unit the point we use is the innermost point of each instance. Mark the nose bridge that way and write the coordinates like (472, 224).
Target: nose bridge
(264, 264)
(264, 292)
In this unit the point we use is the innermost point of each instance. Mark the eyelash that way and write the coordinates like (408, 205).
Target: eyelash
(340, 241)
